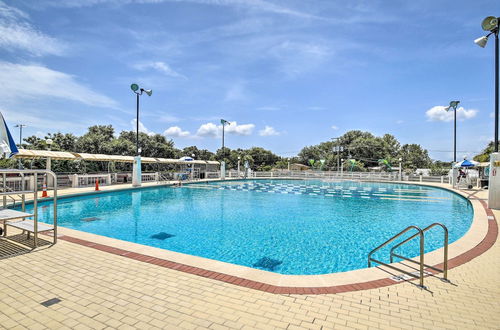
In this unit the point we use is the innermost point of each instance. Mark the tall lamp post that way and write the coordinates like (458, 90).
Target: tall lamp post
(49, 161)
(400, 169)
(20, 142)
(136, 171)
(453, 105)
(338, 149)
(239, 159)
(223, 163)
(20, 133)
(491, 24)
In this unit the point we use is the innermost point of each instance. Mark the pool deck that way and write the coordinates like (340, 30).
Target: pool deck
(99, 290)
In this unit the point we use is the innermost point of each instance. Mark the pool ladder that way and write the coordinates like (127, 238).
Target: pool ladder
(420, 233)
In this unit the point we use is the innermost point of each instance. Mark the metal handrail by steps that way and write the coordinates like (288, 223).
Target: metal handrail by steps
(420, 262)
(421, 270)
(445, 247)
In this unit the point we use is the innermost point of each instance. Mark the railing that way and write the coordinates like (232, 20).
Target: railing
(212, 175)
(85, 180)
(421, 262)
(150, 177)
(445, 247)
(34, 176)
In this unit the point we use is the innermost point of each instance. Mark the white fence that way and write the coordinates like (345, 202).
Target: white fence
(332, 175)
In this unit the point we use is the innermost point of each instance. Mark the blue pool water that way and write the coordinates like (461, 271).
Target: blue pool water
(284, 226)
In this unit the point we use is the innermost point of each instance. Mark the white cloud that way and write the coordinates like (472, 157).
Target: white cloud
(34, 81)
(234, 128)
(142, 128)
(175, 131)
(334, 127)
(16, 33)
(162, 67)
(208, 130)
(268, 131)
(438, 113)
(399, 122)
(212, 130)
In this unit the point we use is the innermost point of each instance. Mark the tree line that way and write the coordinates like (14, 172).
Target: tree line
(359, 151)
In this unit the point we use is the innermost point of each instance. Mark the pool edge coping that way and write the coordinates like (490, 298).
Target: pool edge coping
(277, 283)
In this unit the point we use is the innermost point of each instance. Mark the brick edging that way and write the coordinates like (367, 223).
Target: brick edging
(486, 243)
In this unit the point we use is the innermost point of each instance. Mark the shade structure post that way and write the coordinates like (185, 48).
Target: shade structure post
(137, 172)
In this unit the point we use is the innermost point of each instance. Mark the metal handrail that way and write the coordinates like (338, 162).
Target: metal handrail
(35, 173)
(445, 245)
(421, 270)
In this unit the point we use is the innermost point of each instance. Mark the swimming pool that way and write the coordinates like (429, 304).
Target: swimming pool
(283, 226)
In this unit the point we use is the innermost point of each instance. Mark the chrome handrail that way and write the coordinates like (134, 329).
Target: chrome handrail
(421, 270)
(445, 246)
(35, 174)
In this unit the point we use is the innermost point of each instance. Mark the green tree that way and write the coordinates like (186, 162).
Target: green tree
(485, 155)
(414, 156)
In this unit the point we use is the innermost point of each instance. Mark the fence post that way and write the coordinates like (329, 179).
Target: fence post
(442, 179)
(420, 177)
(74, 182)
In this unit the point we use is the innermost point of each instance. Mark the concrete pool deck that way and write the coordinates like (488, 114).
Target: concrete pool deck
(99, 289)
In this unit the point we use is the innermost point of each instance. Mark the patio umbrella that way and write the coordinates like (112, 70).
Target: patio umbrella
(7, 146)
(466, 163)
(186, 159)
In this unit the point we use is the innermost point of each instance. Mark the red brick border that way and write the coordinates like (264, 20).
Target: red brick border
(479, 249)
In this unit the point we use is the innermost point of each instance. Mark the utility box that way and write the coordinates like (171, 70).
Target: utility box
(494, 182)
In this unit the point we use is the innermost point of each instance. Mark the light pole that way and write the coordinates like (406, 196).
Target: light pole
(136, 171)
(192, 167)
(49, 161)
(20, 142)
(341, 167)
(239, 159)
(400, 169)
(491, 24)
(20, 133)
(338, 149)
(453, 105)
(49, 145)
(288, 160)
(223, 163)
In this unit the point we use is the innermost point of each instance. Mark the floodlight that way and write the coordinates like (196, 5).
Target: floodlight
(481, 42)
(489, 23)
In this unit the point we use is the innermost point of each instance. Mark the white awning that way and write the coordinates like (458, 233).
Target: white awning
(105, 158)
(35, 154)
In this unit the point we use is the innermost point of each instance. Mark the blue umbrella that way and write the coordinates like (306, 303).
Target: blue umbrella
(466, 163)
(7, 146)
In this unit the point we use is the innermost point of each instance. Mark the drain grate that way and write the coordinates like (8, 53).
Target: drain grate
(162, 236)
(90, 219)
(267, 263)
(51, 302)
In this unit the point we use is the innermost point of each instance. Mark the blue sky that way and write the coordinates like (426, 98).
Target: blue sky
(286, 73)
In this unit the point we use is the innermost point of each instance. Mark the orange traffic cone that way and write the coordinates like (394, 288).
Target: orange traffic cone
(44, 190)
(97, 185)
